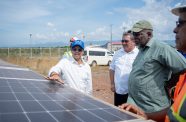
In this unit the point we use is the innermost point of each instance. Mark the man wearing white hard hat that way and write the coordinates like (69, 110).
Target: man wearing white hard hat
(69, 53)
(181, 37)
(176, 112)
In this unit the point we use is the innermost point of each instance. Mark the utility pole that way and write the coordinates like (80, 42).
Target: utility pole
(124, 28)
(83, 35)
(30, 45)
(111, 37)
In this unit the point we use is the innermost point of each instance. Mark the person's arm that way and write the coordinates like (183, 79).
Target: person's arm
(111, 73)
(89, 87)
(157, 116)
(55, 71)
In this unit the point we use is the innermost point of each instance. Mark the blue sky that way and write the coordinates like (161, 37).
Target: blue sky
(58, 20)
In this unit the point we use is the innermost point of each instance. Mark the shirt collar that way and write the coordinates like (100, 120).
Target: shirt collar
(75, 62)
(133, 51)
(148, 45)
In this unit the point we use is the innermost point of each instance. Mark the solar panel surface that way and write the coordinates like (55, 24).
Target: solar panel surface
(26, 96)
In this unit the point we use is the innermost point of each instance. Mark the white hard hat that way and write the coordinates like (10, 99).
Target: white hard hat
(180, 6)
(73, 39)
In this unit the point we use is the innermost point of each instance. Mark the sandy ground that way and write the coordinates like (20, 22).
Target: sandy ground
(101, 84)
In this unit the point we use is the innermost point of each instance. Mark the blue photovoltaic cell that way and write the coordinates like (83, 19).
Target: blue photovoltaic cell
(27, 96)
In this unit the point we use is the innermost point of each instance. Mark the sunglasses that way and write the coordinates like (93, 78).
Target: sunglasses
(126, 41)
(77, 49)
(180, 23)
(136, 34)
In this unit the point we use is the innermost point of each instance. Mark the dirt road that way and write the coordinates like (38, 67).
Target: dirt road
(101, 84)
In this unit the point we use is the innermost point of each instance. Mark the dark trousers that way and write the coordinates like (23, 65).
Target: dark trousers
(120, 99)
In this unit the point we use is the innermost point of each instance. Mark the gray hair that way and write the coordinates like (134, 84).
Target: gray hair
(129, 33)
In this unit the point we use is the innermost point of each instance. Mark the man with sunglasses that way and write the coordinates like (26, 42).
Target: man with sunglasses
(155, 65)
(120, 68)
(177, 111)
(73, 71)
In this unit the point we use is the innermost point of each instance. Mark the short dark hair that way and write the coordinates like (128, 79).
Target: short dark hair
(129, 31)
(182, 10)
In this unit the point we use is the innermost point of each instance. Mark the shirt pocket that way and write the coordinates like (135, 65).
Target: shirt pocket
(139, 87)
(150, 64)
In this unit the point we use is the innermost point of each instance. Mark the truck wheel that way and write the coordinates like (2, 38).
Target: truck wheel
(94, 64)
(109, 62)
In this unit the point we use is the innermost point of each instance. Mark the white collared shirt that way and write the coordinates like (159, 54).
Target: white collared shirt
(122, 66)
(77, 76)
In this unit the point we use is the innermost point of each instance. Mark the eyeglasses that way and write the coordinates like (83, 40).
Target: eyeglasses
(136, 34)
(77, 49)
(126, 41)
(180, 23)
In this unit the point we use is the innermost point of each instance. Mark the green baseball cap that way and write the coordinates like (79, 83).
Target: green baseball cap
(141, 25)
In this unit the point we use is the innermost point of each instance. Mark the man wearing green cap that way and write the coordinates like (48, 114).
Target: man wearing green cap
(155, 64)
(177, 111)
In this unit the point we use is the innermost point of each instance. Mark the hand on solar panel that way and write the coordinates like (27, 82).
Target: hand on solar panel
(55, 78)
(134, 109)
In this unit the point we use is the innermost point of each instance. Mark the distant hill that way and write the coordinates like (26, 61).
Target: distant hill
(47, 44)
(62, 44)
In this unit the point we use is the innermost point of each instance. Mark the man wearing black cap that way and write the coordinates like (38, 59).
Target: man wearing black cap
(73, 70)
(177, 111)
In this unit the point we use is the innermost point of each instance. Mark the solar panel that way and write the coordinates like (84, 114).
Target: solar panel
(26, 96)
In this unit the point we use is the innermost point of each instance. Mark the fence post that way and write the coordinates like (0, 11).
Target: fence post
(41, 52)
(50, 51)
(59, 52)
(20, 52)
(31, 52)
(8, 53)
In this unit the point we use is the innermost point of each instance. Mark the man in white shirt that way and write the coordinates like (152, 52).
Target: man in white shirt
(73, 71)
(121, 67)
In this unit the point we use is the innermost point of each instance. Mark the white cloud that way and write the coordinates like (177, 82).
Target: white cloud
(149, 2)
(52, 36)
(50, 24)
(57, 20)
(41, 36)
(156, 12)
(99, 33)
(178, 4)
